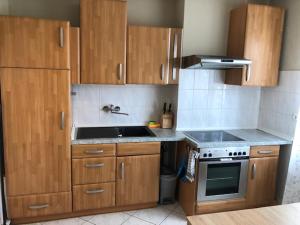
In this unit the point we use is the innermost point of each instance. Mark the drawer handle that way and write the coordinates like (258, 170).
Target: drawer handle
(94, 191)
(265, 152)
(94, 165)
(93, 151)
(36, 207)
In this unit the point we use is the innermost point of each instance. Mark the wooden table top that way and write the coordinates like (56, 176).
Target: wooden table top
(275, 215)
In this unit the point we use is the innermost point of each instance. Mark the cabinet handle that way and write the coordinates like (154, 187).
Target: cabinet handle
(62, 120)
(248, 76)
(265, 152)
(120, 71)
(122, 165)
(94, 165)
(174, 69)
(253, 175)
(94, 191)
(93, 151)
(162, 73)
(61, 37)
(36, 207)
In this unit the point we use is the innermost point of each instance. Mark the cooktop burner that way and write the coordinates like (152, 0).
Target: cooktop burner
(212, 136)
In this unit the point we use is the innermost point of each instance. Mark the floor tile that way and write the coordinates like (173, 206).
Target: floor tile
(136, 221)
(72, 221)
(86, 218)
(178, 209)
(131, 212)
(175, 219)
(153, 215)
(109, 219)
(170, 207)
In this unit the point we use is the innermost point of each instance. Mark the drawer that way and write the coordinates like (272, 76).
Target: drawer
(40, 205)
(264, 151)
(92, 151)
(93, 170)
(93, 196)
(145, 148)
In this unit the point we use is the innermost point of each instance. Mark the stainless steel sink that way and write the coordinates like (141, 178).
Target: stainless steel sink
(113, 132)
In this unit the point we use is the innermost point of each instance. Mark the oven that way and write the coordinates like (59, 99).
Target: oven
(222, 173)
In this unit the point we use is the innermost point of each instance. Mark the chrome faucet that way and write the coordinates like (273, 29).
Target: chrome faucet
(113, 109)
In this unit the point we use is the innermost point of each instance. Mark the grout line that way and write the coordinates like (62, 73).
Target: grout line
(126, 219)
(143, 220)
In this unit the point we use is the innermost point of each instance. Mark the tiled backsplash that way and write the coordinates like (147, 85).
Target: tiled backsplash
(279, 106)
(205, 102)
(142, 102)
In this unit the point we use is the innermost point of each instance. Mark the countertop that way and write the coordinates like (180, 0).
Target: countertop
(275, 215)
(251, 137)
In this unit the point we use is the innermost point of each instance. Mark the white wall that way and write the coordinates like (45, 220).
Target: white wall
(205, 102)
(142, 102)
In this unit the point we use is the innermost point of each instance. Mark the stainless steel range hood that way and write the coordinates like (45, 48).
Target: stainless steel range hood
(214, 62)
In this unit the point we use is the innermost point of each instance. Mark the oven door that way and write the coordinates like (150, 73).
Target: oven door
(220, 180)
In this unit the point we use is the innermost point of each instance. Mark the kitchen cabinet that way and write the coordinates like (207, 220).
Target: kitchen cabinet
(255, 33)
(150, 55)
(36, 125)
(138, 177)
(103, 41)
(262, 176)
(34, 43)
(75, 54)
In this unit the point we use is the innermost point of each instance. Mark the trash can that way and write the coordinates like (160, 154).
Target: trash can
(167, 188)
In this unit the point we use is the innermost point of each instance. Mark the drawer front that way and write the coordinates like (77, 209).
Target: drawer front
(264, 151)
(145, 148)
(92, 171)
(40, 205)
(92, 151)
(93, 196)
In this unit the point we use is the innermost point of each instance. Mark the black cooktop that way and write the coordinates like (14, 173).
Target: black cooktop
(212, 136)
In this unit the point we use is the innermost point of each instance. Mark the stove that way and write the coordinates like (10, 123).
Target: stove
(211, 136)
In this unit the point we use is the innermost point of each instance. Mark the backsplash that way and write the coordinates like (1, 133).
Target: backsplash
(205, 102)
(141, 102)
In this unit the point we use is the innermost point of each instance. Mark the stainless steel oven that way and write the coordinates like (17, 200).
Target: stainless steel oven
(223, 173)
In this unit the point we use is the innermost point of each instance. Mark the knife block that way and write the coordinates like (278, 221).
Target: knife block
(167, 121)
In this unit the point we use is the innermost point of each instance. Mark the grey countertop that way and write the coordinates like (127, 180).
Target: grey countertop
(251, 137)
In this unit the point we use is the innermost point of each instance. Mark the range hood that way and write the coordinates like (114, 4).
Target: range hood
(214, 62)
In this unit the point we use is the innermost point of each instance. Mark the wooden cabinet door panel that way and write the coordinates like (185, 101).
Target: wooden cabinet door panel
(34, 43)
(148, 50)
(75, 54)
(36, 139)
(262, 181)
(138, 179)
(103, 41)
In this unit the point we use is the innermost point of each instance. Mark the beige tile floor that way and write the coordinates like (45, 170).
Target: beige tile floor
(161, 215)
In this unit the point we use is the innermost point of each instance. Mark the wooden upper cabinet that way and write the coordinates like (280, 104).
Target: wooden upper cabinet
(34, 43)
(148, 54)
(36, 125)
(75, 54)
(255, 33)
(262, 176)
(103, 41)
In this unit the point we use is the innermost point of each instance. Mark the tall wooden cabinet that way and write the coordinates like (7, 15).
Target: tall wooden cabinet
(75, 54)
(150, 55)
(34, 43)
(103, 41)
(255, 33)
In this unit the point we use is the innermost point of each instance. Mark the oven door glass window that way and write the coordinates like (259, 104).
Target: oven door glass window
(223, 178)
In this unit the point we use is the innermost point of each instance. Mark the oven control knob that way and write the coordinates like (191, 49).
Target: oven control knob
(204, 155)
(235, 154)
(244, 153)
(230, 153)
(209, 155)
(239, 153)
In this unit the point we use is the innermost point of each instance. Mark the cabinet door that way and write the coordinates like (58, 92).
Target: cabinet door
(103, 41)
(148, 50)
(138, 179)
(34, 43)
(36, 124)
(175, 55)
(262, 181)
(75, 54)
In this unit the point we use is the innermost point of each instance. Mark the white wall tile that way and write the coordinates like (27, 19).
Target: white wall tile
(201, 79)
(186, 79)
(200, 99)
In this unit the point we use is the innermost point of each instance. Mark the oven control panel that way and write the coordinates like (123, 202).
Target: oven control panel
(226, 152)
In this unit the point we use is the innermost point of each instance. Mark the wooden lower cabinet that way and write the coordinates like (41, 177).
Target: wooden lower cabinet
(262, 176)
(93, 196)
(40, 205)
(138, 179)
